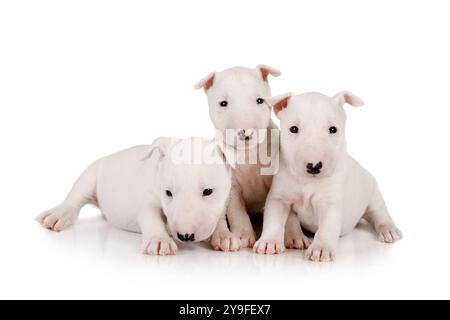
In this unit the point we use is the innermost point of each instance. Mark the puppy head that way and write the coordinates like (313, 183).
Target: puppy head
(195, 182)
(313, 130)
(237, 105)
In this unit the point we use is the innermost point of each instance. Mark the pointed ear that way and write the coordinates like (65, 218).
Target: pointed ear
(206, 82)
(344, 97)
(161, 145)
(279, 103)
(227, 153)
(266, 70)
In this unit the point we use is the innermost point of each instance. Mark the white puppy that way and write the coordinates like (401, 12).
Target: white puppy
(242, 119)
(318, 179)
(173, 189)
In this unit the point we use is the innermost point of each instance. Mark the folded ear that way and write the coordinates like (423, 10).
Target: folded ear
(344, 97)
(279, 103)
(206, 82)
(227, 153)
(266, 70)
(161, 145)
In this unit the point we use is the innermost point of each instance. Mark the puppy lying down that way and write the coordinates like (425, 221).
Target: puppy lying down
(172, 189)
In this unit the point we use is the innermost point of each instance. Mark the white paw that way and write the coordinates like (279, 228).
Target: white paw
(320, 253)
(247, 237)
(225, 241)
(269, 246)
(58, 218)
(159, 246)
(389, 233)
(296, 241)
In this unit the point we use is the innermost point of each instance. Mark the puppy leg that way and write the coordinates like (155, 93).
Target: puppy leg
(293, 236)
(272, 239)
(325, 241)
(378, 216)
(155, 238)
(82, 193)
(223, 239)
(239, 220)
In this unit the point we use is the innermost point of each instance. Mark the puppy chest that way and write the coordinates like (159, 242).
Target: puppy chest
(253, 186)
(303, 206)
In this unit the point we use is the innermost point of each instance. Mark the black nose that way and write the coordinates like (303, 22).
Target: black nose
(243, 136)
(312, 168)
(186, 237)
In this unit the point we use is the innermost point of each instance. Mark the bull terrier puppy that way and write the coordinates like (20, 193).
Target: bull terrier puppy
(318, 179)
(242, 119)
(172, 189)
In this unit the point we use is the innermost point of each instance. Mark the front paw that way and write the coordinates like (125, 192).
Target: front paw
(320, 252)
(225, 241)
(247, 237)
(269, 246)
(296, 241)
(389, 233)
(162, 246)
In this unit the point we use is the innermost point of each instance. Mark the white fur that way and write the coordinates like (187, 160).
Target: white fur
(130, 189)
(241, 87)
(329, 203)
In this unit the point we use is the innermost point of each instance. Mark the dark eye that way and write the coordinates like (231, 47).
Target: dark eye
(223, 103)
(259, 101)
(332, 130)
(169, 193)
(293, 129)
(207, 192)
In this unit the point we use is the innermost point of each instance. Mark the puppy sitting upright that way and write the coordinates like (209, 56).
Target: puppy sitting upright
(242, 119)
(173, 189)
(318, 179)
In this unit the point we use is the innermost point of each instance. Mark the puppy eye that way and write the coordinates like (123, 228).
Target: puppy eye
(169, 193)
(259, 101)
(207, 192)
(293, 129)
(332, 130)
(223, 103)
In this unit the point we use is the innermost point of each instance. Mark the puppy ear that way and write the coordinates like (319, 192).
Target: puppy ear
(227, 153)
(344, 97)
(206, 82)
(266, 70)
(161, 145)
(279, 103)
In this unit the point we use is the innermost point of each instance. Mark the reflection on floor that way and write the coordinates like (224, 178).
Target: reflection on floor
(96, 238)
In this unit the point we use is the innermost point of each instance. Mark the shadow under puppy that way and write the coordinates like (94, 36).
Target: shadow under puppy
(318, 179)
(172, 189)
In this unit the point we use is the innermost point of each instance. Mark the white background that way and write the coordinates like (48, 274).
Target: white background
(82, 79)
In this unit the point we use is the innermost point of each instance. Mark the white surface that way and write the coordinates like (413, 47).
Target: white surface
(79, 80)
